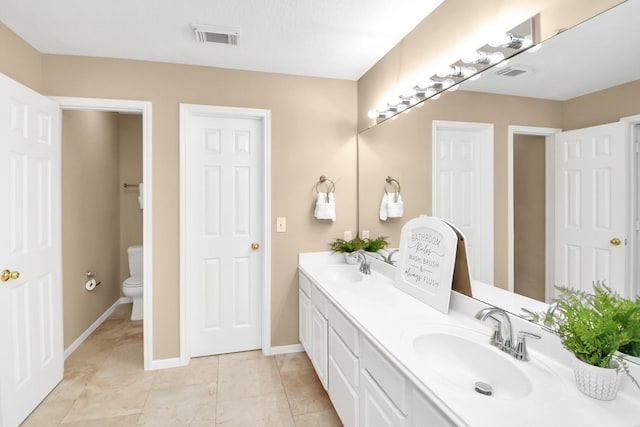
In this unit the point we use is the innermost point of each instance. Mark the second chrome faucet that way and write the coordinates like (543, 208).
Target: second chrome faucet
(503, 333)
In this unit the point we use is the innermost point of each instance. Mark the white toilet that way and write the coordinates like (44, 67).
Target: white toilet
(132, 286)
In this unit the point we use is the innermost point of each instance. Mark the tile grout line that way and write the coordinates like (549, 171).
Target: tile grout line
(284, 388)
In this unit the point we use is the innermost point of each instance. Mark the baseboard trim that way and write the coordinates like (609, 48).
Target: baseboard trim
(282, 349)
(174, 362)
(74, 345)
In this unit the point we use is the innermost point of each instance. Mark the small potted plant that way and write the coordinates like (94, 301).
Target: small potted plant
(374, 245)
(594, 327)
(348, 247)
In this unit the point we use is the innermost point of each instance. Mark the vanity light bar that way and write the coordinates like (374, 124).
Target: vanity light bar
(487, 56)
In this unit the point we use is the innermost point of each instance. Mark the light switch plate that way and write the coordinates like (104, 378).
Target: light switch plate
(281, 224)
(347, 235)
(364, 234)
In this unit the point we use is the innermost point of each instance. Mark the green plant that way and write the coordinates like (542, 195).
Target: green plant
(374, 245)
(595, 326)
(348, 246)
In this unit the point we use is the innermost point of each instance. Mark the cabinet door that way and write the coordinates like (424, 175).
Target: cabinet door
(319, 344)
(304, 318)
(376, 409)
(343, 396)
(425, 414)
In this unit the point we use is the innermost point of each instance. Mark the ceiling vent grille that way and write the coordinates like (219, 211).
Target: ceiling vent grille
(221, 35)
(512, 72)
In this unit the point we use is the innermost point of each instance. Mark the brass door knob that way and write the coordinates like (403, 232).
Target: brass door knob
(615, 241)
(6, 275)
(255, 246)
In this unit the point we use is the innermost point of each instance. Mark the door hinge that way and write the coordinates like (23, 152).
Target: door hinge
(637, 225)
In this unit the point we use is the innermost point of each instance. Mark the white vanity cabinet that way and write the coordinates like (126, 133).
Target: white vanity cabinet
(365, 386)
(304, 315)
(314, 326)
(425, 414)
(384, 390)
(344, 377)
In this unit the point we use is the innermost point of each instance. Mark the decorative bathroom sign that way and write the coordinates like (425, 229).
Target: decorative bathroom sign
(427, 258)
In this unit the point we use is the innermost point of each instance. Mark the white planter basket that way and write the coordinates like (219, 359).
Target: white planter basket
(351, 257)
(594, 381)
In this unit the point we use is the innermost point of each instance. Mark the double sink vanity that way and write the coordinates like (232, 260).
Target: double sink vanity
(387, 359)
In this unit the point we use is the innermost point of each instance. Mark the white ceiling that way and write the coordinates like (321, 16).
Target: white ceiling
(597, 54)
(328, 38)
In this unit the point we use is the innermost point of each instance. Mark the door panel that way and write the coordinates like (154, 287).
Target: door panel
(463, 189)
(224, 207)
(591, 206)
(31, 347)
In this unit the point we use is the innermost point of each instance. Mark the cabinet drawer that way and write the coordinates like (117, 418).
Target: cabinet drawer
(319, 300)
(343, 396)
(376, 409)
(345, 330)
(304, 282)
(425, 413)
(343, 358)
(390, 380)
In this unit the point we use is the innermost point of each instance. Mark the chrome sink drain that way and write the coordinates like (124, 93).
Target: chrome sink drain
(483, 388)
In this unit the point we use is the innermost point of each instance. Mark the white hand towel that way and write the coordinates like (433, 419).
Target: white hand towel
(395, 206)
(325, 206)
(384, 207)
(141, 195)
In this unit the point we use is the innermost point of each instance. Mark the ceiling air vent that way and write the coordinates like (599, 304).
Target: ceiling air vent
(222, 35)
(512, 72)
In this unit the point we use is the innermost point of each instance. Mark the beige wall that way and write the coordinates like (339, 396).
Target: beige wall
(313, 134)
(438, 40)
(130, 162)
(19, 60)
(529, 216)
(605, 106)
(402, 148)
(90, 216)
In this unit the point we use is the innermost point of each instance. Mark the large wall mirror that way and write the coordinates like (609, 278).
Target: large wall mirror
(517, 197)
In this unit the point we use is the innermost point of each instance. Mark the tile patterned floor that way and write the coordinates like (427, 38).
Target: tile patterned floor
(105, 385)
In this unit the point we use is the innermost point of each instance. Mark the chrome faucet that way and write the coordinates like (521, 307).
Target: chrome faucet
(387, 258)
(365, 267)
(503, 333)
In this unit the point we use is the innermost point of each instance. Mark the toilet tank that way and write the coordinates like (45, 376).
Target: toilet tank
(135, 260)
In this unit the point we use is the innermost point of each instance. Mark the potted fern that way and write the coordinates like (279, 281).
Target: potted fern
(594, 327)
(348, 248)
(374, 245)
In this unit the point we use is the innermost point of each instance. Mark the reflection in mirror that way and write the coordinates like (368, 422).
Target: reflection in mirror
(585, 77)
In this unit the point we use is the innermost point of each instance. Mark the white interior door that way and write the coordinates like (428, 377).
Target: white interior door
(31, 353)
(463, 188)
(224, 209)
(590, 207)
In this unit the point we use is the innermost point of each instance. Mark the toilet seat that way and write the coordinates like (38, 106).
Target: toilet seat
(133, 282)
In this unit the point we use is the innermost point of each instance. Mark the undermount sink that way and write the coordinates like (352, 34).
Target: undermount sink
(343, 274)
(464, 358)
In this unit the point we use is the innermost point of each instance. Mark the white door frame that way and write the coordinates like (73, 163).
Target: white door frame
(144, 107)
(487, 178)
(227, 112)
(632, 138)
(549, 202)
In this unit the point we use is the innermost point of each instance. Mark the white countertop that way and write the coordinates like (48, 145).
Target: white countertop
(391, 319)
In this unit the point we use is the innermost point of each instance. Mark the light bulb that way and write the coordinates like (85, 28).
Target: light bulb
(471, 57)
(445, 72)
(373, 114)
(500, 40)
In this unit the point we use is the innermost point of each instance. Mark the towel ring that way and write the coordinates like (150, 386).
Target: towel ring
(331, 186)
(393, 181)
